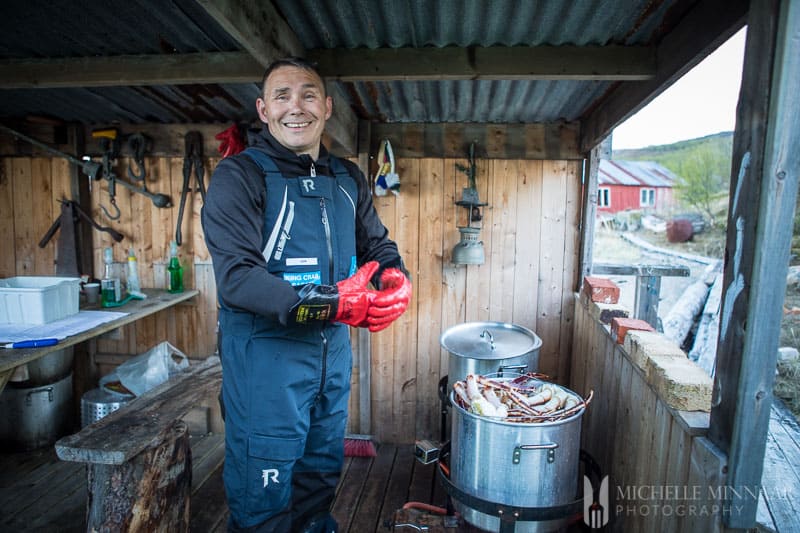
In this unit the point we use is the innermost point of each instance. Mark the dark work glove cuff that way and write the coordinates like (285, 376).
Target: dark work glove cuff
(317, 303)
(376, 279)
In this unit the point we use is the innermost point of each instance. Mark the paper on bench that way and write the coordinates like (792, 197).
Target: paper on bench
(59, 329)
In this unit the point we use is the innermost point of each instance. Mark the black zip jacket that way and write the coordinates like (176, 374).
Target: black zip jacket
(233, 223)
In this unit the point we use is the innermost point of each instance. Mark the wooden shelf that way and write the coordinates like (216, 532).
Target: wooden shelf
(157, 300)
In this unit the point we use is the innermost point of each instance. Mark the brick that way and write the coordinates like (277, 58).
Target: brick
(605, 312)
(680, 383)
(643, 345)
(601, 290)
(621, 326)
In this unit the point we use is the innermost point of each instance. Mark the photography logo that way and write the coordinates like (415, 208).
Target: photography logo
(596, 510)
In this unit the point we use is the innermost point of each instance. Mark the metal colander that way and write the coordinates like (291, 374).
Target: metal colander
(97, 403)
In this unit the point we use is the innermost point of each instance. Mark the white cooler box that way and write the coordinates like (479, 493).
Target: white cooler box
(38, 299)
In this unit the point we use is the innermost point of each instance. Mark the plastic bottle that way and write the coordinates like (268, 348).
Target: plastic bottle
(175, 269)
(133, 273)
(110, 286)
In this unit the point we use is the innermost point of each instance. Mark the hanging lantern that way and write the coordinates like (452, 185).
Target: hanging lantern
(469, 250)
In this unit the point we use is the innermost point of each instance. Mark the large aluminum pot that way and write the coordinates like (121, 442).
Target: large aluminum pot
(522, 465)
(34, 417)
(490, 348)
(48, 369)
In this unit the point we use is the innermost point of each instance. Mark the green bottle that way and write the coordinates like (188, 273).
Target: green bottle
(175, 269)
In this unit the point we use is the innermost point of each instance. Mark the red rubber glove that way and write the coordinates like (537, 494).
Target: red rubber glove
(231, 141)
(391, 301)
(354, 297)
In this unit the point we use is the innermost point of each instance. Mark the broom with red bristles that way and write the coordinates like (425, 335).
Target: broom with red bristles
(359, 446)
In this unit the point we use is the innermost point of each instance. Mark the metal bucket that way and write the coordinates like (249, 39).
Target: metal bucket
(519, 465)
(34, 417)
(97, 403)
(490, 348)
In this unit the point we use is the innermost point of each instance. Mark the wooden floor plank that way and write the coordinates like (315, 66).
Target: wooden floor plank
(15, 465)
(784, 428)
(202, 445)
(66, 514)
(345, 468)
(782, 504)
(422, 480)
(46, 480)
(45, 499)
(780, 479)
(350, 489)
(399, 480)
(367, 514)
(208, 454)
(208, 507)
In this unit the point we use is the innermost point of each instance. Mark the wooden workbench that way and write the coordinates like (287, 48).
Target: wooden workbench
(157, 300)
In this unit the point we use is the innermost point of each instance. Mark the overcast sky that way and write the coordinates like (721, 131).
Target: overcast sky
(700, 103)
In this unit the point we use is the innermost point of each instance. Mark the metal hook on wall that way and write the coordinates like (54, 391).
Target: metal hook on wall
(116, 210)
(138, 144)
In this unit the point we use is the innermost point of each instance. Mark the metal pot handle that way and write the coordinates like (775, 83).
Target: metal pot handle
(48, 390)
(550, 447)
(487, 333)
(515, 368)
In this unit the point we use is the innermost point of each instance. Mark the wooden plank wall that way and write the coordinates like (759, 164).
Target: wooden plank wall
(641, 443)
(530, 233)
(30, 190)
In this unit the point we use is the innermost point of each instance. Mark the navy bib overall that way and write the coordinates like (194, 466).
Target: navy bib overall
(286, 389)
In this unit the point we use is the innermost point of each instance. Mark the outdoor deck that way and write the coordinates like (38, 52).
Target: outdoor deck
(39, 492)
(779, 509)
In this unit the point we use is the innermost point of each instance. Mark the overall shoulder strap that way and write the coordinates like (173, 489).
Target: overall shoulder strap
(265, 162)
(338, 167)
(271, 174)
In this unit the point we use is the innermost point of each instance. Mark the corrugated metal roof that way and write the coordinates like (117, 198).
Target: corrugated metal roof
(158, 104)
(381, 23)
(474, 101)
(634, 173)
(415, 23)
(64, 28)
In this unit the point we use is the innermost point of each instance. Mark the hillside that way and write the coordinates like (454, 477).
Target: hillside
(673, 156)
(706, 162)
(703, 167)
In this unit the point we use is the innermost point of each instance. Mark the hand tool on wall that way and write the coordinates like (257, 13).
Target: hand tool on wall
(110, 147)
(87, 166)
(193, 159)
(68, 263)
(138, 144)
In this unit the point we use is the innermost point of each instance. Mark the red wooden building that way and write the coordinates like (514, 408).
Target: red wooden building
(633, 185)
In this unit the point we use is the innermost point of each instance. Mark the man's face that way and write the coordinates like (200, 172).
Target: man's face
(295, 108)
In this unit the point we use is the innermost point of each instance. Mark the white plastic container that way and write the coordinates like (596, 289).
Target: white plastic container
(38, 299)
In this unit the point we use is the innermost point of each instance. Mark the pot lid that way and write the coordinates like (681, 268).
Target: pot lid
(489, 340)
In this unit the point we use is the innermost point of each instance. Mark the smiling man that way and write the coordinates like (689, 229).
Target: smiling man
(295, 108)
(295, 242)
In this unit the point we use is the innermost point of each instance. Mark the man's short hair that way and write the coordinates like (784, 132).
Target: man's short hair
(298, 62)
